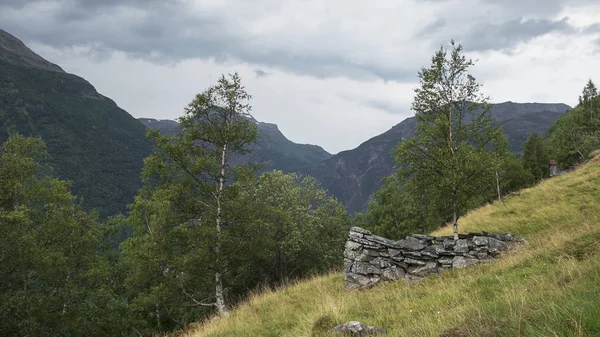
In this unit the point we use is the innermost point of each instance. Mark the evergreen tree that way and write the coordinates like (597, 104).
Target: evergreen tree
(577, 133)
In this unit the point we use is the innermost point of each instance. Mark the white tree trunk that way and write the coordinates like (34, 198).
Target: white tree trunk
(455, 222)
(498, 185)
(220, 298)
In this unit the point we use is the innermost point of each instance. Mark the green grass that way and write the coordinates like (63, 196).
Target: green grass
(549, 286)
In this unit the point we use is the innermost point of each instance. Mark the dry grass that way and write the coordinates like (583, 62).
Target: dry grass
(547, 287)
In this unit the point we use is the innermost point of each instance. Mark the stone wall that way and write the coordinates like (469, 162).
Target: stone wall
(370, 259)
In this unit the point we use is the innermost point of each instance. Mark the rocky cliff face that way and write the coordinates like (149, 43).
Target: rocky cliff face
(370, 259)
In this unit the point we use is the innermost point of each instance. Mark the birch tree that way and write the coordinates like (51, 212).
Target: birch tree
(218, 121)
(450, 148)
(182, 208)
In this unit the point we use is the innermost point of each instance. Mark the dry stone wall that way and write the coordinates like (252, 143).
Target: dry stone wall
(370, 259)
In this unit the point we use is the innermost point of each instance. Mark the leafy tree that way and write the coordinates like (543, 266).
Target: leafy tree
(297, 229)
(277, 227)
(577, 133)
(535, 157)
(454, 132)
(196, 165)
(586, 100)
(400, 208)
(54, 278)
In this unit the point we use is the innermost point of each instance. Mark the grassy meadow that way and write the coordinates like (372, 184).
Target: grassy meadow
(549, 286)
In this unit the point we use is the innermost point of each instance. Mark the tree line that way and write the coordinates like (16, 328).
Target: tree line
(206, 230)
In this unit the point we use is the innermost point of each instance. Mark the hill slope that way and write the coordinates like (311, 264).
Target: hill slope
(547, 287)
(272, 147)
(354, 175)
(93, 143)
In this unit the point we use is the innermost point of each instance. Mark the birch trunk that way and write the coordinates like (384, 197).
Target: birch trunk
(498, 185)
(220, 298)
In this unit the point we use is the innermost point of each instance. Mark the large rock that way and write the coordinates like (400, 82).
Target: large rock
(351, 245)
(356, 281)
(461, 246)
(365, 268)
(480, 240)
(410, 243)
(463, 262)
(361, 256)
(392, 273)
(383, 241)
(421, 271)
(355, 328)
(497, 244)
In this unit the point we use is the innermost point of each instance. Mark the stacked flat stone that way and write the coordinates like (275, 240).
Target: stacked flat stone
(370, 259)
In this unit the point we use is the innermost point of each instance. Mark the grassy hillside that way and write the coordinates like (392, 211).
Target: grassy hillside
(547, 287)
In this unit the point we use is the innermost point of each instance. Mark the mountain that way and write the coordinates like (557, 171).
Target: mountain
(100, 147)
(272, 147)
(93, 143)
(354, 175)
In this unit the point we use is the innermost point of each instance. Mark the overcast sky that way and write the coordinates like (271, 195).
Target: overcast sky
(333, 73)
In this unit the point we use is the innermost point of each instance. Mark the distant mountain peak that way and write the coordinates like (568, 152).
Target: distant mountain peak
(14, 51)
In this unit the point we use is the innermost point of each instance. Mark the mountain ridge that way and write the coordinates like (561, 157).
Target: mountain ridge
(15, 51)
(272, 147)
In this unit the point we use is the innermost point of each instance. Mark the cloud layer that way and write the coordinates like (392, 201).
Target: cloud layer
(369, 53)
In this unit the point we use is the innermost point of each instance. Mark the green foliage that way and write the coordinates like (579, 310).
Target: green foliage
(202, 223)
(455, 161)
(449, 155)
(577, 133)
(278, 227)
(299, 228)
(535, 157)
(54, 274)
(401, 208)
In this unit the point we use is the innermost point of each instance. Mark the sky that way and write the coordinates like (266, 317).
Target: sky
(333, 73)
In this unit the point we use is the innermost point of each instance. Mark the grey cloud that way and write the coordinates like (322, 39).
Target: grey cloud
(384, 105)
(505, 36)
(261, 73)
(433, 27)
(167, 32)
(591, 29)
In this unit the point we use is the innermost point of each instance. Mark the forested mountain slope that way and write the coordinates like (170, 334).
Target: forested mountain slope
(93, 143)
